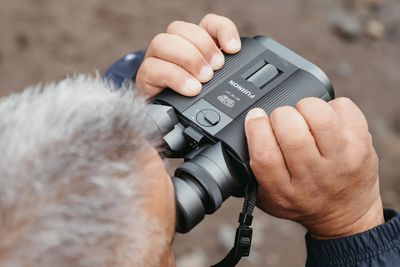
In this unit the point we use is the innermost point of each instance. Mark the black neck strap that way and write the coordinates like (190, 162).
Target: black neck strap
(244, 231)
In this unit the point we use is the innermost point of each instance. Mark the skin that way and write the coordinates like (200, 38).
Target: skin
(161, 201)
(186, 55)
(315, 163)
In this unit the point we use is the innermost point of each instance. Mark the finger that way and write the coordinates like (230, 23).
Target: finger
(266, 159)
(201, 40)
(351, 116)
(177, 50)
(155, 74)
(295, 140)
(224, 31)
(324, 124)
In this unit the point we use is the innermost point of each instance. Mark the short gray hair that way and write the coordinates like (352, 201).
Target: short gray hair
(71, 193)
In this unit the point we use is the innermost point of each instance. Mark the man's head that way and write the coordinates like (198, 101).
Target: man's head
(80, 181)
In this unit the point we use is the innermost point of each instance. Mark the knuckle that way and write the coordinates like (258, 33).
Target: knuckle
(224, 20)
(146, 66)
(343, 102)
(294, 141)
(283, 203)
(263, 159)
(309, 105)
(353, 167)
(174, 25)
(323, 122)
(275, 200)
(365, 151)
(356, 159)
(191, 62)
(218, 20)
(157, 41)
(280, 112)
(306, 102)
(317, 112)
(208, 17)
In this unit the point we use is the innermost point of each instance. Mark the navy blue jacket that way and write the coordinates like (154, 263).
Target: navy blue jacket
(377, 247)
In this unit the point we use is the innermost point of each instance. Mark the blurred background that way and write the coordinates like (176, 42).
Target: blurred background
(357, 42)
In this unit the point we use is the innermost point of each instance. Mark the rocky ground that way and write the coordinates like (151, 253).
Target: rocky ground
(357, 42)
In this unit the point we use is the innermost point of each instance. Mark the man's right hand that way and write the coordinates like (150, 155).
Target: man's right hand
(315, 164)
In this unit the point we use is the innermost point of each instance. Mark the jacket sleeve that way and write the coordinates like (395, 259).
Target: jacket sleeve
(125, 69)
(379, 246)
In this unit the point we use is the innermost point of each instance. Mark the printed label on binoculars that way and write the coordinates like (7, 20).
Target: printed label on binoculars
(233, 96)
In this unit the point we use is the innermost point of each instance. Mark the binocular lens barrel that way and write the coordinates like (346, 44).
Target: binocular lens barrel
(201, 185)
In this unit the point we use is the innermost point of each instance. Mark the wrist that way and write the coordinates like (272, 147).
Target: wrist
(343, 227)
(348, 251)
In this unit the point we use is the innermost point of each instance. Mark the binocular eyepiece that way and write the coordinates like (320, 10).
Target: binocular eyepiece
(204, 180)
(201, 185)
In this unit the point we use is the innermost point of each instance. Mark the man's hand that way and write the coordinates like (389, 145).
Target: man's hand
(315, 164)
(187, 55)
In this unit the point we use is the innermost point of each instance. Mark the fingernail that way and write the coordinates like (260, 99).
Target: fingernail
(206, 73)
(255, 113)
(234, 44)
(217, 61)
(192, 85)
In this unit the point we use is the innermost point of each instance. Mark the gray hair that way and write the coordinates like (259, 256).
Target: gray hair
(71, 193)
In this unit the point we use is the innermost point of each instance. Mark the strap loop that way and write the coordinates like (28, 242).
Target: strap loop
(244, 232)
(243, 241)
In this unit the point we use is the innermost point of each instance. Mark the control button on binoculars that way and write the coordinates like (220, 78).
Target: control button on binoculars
(208, 117)
(263, 76)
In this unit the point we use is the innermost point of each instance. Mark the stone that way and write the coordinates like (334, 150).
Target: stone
(347, 24)
(374, 29)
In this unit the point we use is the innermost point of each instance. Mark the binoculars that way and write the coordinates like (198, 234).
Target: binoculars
(208, 130)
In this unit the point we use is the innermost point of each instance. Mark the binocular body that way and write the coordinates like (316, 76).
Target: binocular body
(208, 130)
